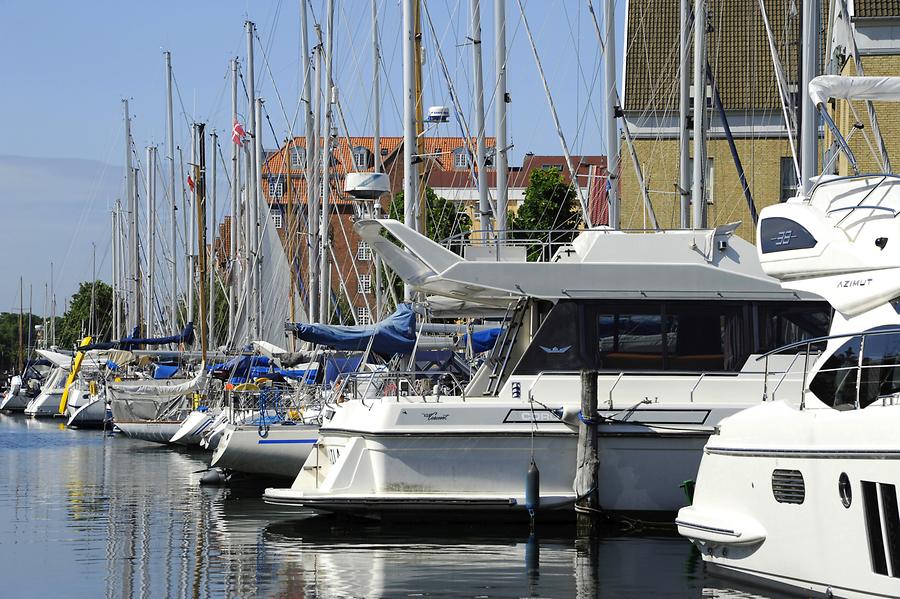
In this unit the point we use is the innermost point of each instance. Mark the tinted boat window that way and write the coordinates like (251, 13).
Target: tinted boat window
(835, 384)
(556, 346)
(630, 341)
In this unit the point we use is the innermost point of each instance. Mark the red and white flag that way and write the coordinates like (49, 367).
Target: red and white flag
(190, 183)
(237, 133)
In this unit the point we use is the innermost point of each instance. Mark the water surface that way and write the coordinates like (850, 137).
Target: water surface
(86, 514)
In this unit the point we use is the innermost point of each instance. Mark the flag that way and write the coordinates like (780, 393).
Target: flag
(190, 183)
(237, 133)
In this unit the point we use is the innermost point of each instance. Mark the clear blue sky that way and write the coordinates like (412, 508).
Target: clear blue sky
(68, 65)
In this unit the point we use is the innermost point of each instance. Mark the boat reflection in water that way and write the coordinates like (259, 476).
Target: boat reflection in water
(96, 515)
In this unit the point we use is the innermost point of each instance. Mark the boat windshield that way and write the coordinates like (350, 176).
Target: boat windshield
(838, 383)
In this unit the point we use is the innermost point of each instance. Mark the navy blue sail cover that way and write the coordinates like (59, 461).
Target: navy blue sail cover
(396, 334)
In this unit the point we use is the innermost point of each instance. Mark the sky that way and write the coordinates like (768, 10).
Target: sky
(69, 65)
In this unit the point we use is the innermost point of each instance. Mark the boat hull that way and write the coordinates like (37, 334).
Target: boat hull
(150, 430)
(45, 405)
(282, 452)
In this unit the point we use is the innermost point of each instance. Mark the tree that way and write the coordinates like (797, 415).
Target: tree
(75, 322)
(550, 204)
(443, 218)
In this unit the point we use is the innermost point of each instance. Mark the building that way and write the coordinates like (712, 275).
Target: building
(875, 25)
(743, 73)
(446, 169)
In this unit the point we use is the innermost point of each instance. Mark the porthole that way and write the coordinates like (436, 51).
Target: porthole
(844, 490)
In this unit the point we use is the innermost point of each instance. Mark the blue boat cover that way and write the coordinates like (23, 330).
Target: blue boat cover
(484, 340)
(396, 334)
(164, 371)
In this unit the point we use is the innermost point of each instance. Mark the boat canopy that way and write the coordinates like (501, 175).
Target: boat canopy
(186, 336)
(823, 87)
(396, 334)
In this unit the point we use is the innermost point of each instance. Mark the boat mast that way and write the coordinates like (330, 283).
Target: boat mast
(257, 226)
(151, 237)
(684, 140)
(809, 121)
(253, 183)
(192, 230)
(612, 129)
(170, 148)
(114, 242)
(52, 310)
(21, 324)
(213, 225)
(131, 203)
(235, 190)
(410, 178)
(91, 319)
(330, 92)
(376, 145)
(200, 203)
(500, 151)
(484, 204)
(312, 281)
(312, 189)
(698, 194)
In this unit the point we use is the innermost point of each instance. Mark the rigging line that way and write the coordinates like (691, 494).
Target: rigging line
(277, 93)
(586, 216)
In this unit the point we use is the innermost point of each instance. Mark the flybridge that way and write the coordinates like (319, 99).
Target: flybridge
(598, 264)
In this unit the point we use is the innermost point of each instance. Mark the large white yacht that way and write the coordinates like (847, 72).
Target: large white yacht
(672, 320)
(803, 494)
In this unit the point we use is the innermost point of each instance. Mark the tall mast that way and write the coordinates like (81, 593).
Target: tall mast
(484, 204)
(192, 229)
(92, 319)
(131, 207)
(151, 237)
(253, 179)
(21, 365)
(170, 149)
(257, 227)
(410, 178)
(52, 309)
(213, 225)
(809, 121)
(31, 314)
(376, 144)
(114, 241)
(612, 128)
(698, 193)
(684, 100)
(312, 191)
(324, 263)
(200, 203)
(235, 190)
(501, 149)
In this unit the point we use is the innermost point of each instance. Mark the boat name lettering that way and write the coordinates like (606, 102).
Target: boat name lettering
(518, 415)
(432, 416)
(854, 282)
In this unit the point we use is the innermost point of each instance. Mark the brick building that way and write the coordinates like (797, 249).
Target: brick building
(743, 71)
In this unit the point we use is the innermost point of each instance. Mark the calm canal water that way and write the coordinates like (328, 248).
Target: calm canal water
(84, 514)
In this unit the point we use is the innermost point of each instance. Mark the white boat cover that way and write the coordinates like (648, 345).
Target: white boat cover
(823, 87)
(58, 359)
(159, 387)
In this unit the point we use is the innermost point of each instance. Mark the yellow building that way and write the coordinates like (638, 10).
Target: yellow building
(744, 76)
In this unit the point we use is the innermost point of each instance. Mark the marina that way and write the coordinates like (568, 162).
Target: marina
(421, 300)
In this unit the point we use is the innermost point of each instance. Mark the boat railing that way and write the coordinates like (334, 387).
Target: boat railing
(400, 383)
(859, 367)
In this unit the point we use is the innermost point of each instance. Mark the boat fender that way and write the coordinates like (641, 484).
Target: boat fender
(532, 488)
(214, 476)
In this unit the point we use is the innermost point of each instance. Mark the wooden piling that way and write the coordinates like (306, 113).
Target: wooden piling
(587, 503)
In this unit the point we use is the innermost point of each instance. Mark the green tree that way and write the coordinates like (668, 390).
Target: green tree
(76, 321)
(550, 204)
(443, 218)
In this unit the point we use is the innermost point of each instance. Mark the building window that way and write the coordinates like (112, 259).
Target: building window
(298, 158)
(362, 158)
(364, 251)
(460, 158)
(788, 178)
(552, 167)
(277, 218)
(276, 187)
(364, 284)
(363, 316)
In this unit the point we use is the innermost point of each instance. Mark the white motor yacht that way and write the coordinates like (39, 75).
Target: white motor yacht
(803, 494)
(46, 403)
(672, 321)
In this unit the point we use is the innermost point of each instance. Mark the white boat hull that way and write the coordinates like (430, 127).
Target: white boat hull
(44, 405)
(281, 452)
(149, 430)
(14, 402)
(90, 413)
